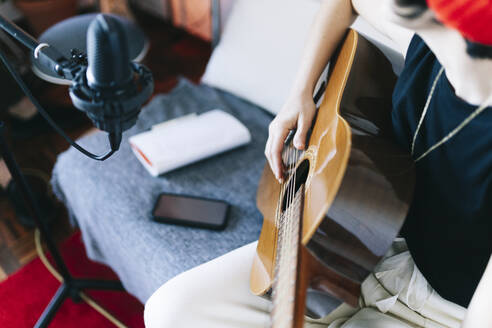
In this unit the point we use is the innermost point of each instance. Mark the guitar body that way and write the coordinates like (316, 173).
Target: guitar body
(358, 185)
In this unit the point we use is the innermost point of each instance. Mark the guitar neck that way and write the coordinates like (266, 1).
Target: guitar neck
(287, 263)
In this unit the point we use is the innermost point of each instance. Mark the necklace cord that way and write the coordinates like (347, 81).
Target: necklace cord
(453, 132)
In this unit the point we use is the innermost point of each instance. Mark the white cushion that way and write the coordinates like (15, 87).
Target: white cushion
(260, 50)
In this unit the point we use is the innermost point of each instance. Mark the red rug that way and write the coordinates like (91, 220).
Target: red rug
(25, 294)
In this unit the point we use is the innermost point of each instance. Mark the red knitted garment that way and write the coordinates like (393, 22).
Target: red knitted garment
(472, 18)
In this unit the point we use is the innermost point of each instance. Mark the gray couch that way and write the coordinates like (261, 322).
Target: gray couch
(111, 201)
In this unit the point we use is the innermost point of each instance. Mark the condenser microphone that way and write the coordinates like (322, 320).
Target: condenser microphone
(111, 89)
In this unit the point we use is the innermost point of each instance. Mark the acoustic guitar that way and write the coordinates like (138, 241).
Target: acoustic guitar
(343, 199)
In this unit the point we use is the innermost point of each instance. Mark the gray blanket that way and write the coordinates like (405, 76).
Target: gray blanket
(111, 201)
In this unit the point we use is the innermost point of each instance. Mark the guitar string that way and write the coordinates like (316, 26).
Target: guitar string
(282, 194)
(286, 254)
(280, 290)
(288, 199)
(282, 187)
(282, 225)
(296, 226)
(287, 269)
(285, 243)
(294, 236)
(289, 229)
(295, 232)
(291, 266)
(278, 243)
(276, 255)
(285, 226)
(280, 246)
(278, 211)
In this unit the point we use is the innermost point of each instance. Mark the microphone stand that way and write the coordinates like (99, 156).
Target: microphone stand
(70, 287)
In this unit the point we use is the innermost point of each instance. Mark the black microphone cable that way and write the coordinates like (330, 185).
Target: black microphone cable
(45, 114)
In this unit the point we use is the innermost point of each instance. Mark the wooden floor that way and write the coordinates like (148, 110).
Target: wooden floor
(172, 53)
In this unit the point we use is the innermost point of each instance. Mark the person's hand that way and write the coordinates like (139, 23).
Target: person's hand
(296, 114)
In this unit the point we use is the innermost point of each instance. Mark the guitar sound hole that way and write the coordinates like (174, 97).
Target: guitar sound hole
(295, 181)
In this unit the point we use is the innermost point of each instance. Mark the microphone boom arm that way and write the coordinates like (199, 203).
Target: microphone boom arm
(52, 58)
(49, 57)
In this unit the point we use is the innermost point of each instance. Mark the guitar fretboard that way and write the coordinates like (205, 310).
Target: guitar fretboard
(286, 263)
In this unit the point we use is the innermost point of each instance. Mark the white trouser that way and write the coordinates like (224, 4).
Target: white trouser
(216, 294)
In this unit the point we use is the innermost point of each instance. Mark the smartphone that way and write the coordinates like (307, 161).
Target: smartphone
(190, 211)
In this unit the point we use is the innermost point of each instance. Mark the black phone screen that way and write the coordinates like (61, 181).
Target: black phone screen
(192, 211)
